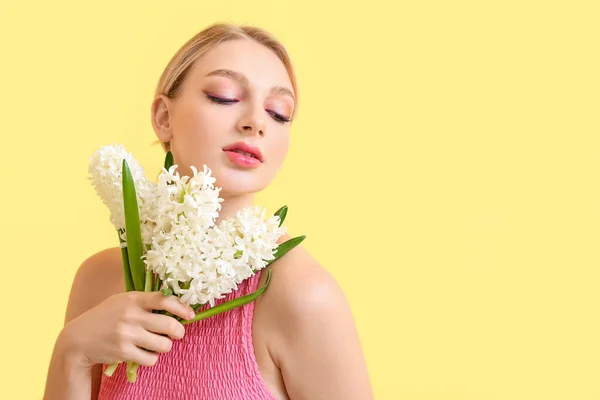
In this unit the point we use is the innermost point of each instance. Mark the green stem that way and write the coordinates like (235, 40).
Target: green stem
(148, 282)
(132, 368)
(129, 286)
(110, 370)
(221, 308)
(157, 283)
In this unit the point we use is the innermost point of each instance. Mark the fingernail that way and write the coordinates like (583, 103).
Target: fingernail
(192, 315)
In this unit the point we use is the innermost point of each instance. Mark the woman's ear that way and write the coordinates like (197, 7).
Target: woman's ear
(161, 118)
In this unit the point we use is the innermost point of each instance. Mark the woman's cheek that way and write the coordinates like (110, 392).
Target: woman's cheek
(284, 148)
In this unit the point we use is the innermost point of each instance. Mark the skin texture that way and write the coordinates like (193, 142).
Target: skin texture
(305, 340)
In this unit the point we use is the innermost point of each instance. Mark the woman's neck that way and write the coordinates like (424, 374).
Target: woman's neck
(232, 204)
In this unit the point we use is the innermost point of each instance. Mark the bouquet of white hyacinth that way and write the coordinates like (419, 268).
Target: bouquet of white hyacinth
(170, 241)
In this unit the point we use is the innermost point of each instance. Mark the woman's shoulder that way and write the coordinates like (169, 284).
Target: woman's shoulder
(312, 336)
(301, 290)
(298, 277)
(310, 330)
(98, 277)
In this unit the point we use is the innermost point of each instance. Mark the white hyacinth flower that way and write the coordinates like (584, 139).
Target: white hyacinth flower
(105, 171)
(198, 260)
(194, 197)
(257, 237)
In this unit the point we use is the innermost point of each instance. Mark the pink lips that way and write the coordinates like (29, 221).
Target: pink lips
(243, 160)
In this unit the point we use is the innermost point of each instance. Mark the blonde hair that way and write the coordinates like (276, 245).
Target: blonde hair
(173, 77)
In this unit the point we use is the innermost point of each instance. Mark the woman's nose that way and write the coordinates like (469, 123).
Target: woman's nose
(252, 124)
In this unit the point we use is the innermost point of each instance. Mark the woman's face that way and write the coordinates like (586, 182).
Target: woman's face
(238, 92)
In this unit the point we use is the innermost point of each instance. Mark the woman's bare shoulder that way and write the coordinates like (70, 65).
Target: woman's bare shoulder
(312, 333)
(98, 277)
(299, 273)
(300, 285)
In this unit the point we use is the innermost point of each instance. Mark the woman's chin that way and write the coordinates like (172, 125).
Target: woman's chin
(238, 187)
(236, 182)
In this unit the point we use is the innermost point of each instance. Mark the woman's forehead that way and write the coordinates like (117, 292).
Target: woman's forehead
(249, 61)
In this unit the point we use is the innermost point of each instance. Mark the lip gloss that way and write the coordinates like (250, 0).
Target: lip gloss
(242, 160)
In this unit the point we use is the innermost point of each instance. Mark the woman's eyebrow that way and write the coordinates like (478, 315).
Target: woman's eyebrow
(243, 80)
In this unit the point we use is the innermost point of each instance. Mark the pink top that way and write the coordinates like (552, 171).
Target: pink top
(214, 361)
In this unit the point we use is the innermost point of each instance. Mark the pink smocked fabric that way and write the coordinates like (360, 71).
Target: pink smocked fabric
(214, 361)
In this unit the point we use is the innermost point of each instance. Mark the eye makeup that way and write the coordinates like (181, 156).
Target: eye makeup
(277, 116)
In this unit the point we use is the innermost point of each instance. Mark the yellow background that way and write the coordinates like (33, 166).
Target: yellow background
(444, 165)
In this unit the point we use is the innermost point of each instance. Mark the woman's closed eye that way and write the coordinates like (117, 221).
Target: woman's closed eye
(220, 100)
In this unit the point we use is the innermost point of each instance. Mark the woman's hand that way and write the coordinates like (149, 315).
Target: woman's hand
(124, 328)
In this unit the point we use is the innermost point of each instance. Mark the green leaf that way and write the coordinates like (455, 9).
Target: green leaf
(129, 286)
(286, 246)
(167, 291)
(221, 308)
(281, 213)
(168, 160)
(132, 228)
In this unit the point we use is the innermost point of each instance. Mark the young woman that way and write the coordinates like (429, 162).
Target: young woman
(226, 99)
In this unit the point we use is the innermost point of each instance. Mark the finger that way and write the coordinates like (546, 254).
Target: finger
(172, 304)
(152, 342)
(143, 357)
(163, 324)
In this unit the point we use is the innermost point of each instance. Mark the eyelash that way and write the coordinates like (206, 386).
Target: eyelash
(218, 100)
